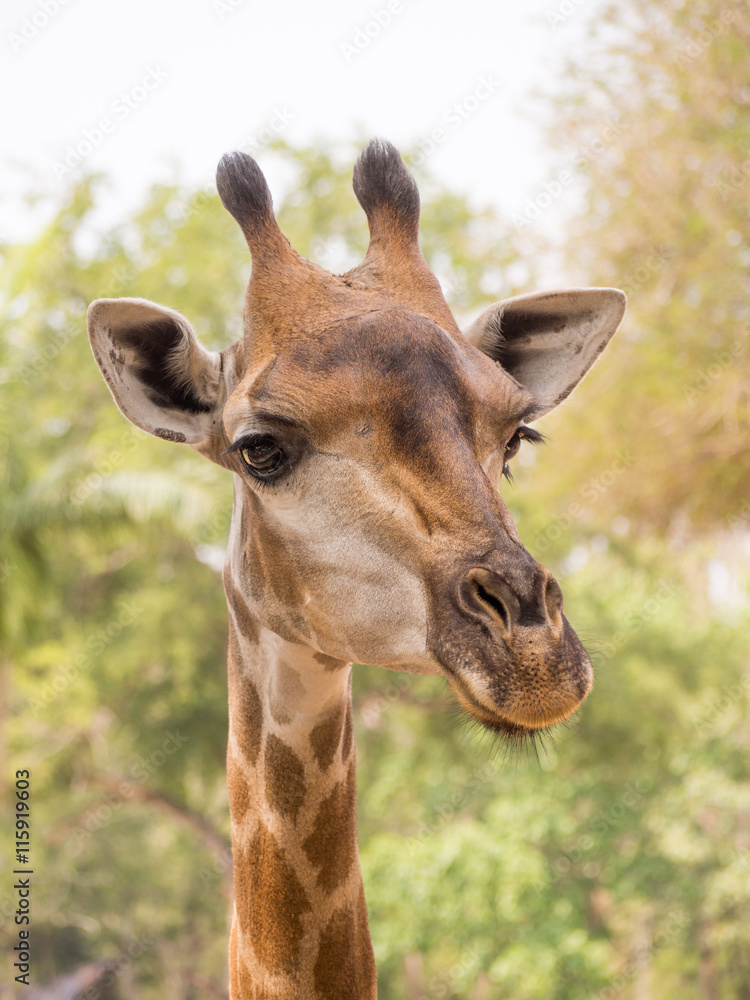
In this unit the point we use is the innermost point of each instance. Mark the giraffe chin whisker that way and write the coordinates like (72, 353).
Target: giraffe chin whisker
(501, 720)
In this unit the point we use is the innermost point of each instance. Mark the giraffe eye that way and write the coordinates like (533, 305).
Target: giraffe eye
(262, 457)
(511, 449)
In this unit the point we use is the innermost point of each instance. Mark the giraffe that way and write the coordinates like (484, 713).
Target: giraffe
(367, 437)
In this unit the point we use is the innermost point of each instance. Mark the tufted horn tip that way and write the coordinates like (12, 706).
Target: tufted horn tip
(382, 182)
(244, 191)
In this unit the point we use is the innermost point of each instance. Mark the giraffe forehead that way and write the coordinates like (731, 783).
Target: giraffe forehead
(395, 367)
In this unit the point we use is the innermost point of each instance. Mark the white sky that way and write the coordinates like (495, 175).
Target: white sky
(227, 73)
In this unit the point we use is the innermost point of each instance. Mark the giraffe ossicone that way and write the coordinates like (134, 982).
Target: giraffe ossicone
(367, 437)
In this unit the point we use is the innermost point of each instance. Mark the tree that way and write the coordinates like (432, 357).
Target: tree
(666, 219)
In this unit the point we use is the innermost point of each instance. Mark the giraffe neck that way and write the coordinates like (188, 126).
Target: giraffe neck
(299, 928)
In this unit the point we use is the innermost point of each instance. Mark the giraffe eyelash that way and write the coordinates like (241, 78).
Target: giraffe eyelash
(523, 433)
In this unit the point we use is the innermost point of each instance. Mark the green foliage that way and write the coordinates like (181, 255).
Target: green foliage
(618, 858)
(667, 220)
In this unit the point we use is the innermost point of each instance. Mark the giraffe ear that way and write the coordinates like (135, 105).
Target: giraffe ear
(161, 377)
(548, 340)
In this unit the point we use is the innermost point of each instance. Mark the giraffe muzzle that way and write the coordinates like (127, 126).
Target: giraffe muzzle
(510, 655)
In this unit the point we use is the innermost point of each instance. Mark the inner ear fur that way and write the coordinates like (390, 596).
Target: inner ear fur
(161, 377)
(548, 340)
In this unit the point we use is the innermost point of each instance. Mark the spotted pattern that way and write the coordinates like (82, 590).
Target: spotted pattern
(346, 744)
(242, 616)
(279, 712)
(286, 786)
(271, 902)
(247, 721)
(239, 793)
(280, 625)
(345, 966)
(332, 845)
(329, 662)
(326, 736)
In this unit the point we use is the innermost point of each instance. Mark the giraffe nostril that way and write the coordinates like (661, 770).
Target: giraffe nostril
(488, 597)
(492, 602)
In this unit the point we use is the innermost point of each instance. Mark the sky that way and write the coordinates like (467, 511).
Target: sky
(140, 89)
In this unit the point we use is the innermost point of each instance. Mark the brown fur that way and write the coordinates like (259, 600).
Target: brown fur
(286, 787)
(246, 711)
(326, 736)
(332, 846)
(242, 616)
(346, 744)
(271, 902)
(345, 966)
(239, 793)
(329, 662)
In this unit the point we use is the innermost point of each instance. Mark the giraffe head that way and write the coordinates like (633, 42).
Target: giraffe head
(368, 437)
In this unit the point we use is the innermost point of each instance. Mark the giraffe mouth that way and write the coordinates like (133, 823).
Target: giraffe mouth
(515, 712)
(491, 720)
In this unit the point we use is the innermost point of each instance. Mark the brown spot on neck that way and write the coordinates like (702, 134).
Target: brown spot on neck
(279, 713)
(290, 688)
(292, 628)
(242, 616)
(271, 903)
(245, 708)
(345, 967)
(332, 846)
(329, 662)
(326, 736)
(286, 786)
(239, 793)
(346, 745)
